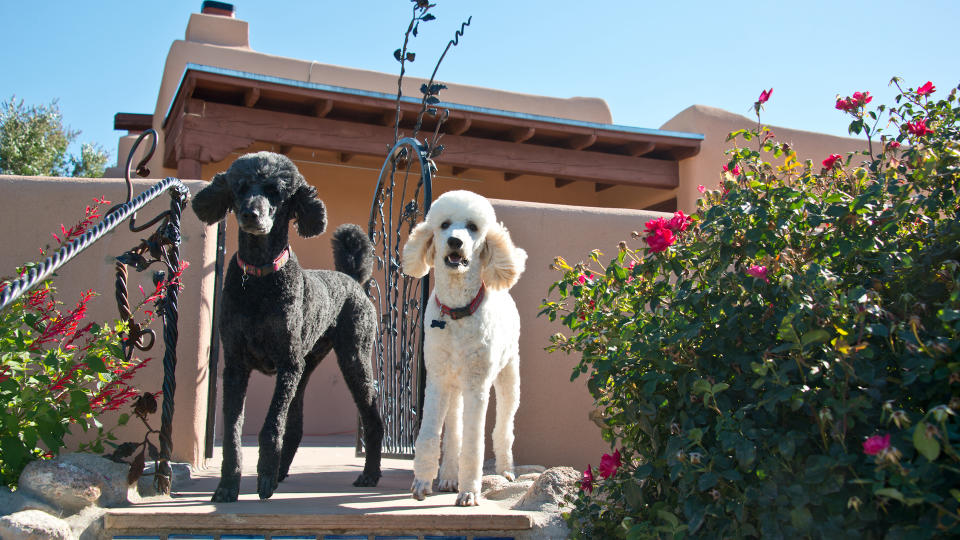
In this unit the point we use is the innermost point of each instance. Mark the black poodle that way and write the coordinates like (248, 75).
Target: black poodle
(281, 319)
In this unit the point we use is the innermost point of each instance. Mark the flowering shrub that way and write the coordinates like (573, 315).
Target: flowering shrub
(786, 366)
(58, 371)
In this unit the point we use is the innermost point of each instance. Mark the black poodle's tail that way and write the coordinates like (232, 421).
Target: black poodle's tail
(353, 252)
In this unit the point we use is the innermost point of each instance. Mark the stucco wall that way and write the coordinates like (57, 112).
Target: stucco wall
(36, 207)
(548, 432)
(715, 124)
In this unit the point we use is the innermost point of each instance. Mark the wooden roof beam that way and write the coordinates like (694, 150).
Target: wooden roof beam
(560, 182)
(508, 176)
(580, 142)
(251, 96)
(521, 134)
(322, 108)
(221, 128)
(456, 126)
(637, 149)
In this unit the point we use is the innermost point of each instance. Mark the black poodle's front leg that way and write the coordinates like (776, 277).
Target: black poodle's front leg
(235, 378)
(271, 436)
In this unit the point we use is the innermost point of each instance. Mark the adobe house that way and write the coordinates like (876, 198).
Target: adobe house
(565, 178)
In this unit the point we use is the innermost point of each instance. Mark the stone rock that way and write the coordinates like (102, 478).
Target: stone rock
(529, 476)
(88, 523)
(509, 490)
(15, 501)
(492, 481)
(550, 489)
(61, 485)
(34, 525)
(146, 487)
(521, 470)
(111, 477)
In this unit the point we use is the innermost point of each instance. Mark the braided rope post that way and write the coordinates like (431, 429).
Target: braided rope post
(164, 476)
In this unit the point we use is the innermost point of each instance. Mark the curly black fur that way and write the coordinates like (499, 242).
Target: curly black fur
(286, 321)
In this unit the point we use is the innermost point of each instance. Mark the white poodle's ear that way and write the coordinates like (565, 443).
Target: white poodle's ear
(502, 261)
(418, 252)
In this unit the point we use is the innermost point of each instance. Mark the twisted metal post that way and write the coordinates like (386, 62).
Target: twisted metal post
(164, 476)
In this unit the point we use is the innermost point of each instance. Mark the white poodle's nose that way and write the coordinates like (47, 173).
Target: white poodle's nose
(454, 242)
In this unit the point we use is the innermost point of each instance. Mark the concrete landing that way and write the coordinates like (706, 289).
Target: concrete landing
(317, 498)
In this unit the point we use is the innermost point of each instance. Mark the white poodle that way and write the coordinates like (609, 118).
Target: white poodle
(471, 336)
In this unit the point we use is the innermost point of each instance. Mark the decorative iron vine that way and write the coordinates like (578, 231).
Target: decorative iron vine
(397, 207)
(162, 246)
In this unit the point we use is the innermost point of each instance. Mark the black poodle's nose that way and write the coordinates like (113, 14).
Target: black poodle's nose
(454, 242)
(250, 213)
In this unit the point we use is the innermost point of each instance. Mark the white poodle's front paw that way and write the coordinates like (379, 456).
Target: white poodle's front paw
(509, 475)
(448, 485)
(421, 488)
(467, 498)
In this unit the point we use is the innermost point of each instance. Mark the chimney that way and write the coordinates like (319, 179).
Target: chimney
(223, 9)
(216, 25)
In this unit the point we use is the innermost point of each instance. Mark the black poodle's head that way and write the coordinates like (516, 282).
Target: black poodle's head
(264, 189)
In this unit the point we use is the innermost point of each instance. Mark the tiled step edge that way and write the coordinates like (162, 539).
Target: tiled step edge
(117, 522)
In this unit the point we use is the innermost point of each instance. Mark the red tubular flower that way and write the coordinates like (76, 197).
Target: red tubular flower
(765, 96)
(876, 444)
(831, 161)
(926, 89)
(609, 464)
(586, 483)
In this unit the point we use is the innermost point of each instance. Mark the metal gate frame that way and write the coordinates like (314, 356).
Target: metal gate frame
(400, 300)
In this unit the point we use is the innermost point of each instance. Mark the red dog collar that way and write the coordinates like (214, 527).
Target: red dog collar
(260, 271)
(466, 311)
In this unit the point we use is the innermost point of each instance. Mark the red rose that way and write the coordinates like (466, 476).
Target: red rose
(926, 89)
(831, 161)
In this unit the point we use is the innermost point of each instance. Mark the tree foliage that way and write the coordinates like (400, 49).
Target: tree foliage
(34, 142)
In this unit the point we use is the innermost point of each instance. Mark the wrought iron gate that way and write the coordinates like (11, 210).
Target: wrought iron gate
(402, 198)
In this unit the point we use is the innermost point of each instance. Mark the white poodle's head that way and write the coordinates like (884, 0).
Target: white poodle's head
(461, 233)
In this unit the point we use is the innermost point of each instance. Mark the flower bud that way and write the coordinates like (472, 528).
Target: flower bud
(940, 413)
(695, 458)
(854, 502)
(674, 428)
(715, 493)
(826, 415)
(622, 246)
(888, 405)
(681, 456)
(932, 431)
(900, 418)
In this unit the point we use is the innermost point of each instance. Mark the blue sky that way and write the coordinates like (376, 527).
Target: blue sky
(648, 60)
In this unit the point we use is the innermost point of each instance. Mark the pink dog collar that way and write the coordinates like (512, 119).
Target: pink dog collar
(260, 271)
(466, 311)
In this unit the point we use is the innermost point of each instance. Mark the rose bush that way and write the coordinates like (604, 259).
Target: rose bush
(787, 365)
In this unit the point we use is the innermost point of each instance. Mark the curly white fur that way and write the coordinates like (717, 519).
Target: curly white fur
(467, 248)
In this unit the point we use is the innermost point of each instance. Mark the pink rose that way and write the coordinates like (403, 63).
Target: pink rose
(893, 145)
(586, 483)
(734, 171)
(679, 222)
(759, 272)
(581, 279)
(701, 189)
(876, 444)
(609, 464)
(831, 161)
(862, 98)
(926, 89)
(919, 128)
(660, 239)
(655, 224)
(765, 96)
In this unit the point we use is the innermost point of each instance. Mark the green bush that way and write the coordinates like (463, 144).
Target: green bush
(58, 371)
(785, 362)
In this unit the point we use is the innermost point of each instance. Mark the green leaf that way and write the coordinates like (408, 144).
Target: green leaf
(707, 480)
(892, 493)
(928, 446)
(719, 387)
(814, 336)
(123, 419)
(668, 517)
(801, 518)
